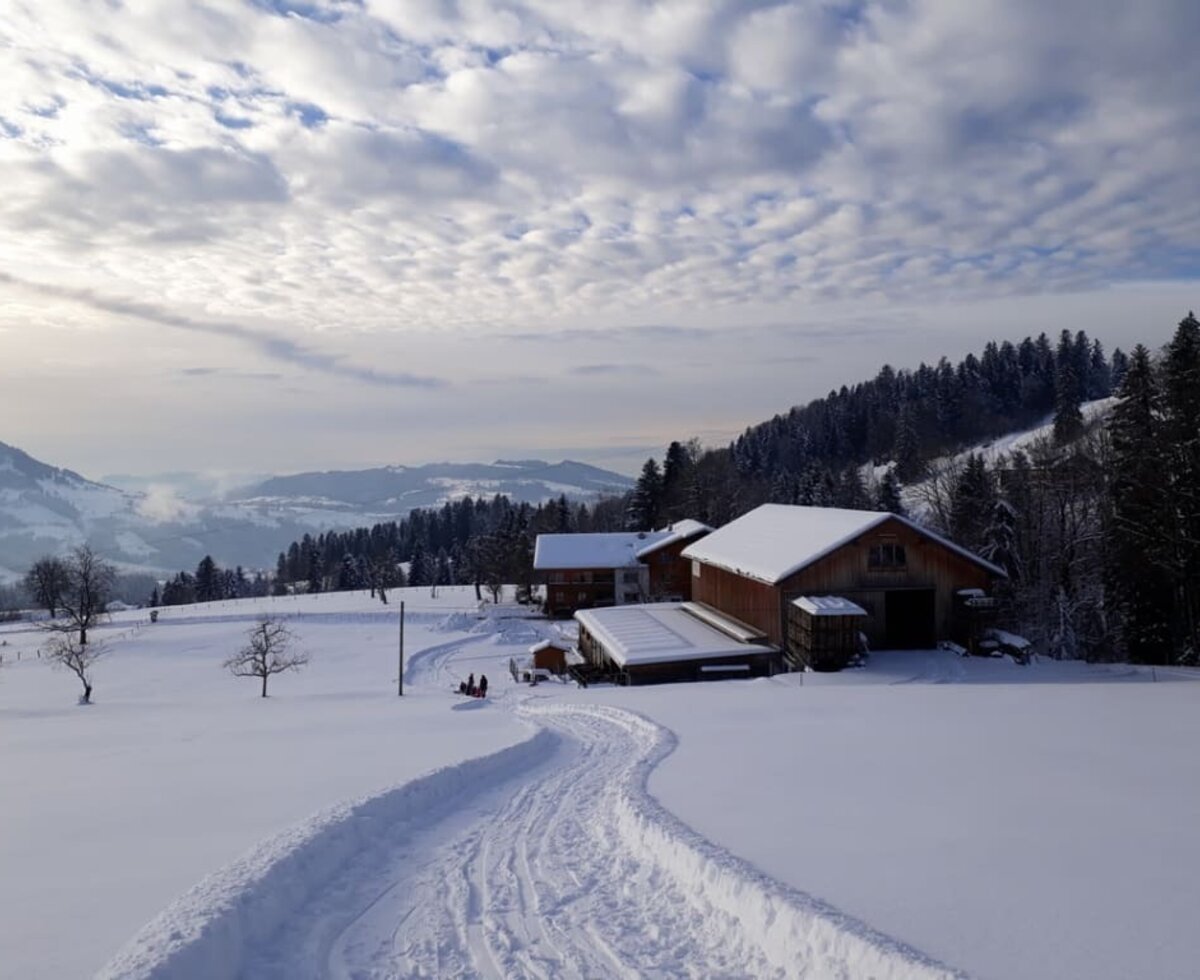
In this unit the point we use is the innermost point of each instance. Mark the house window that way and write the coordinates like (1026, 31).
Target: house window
(558, 578)
(583, 597)
(887, 556)
(630, 578)
(695, 569)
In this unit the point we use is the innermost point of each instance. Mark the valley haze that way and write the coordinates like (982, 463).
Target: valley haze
(49, 509)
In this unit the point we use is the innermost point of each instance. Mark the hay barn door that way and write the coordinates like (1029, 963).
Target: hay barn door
(909, 614)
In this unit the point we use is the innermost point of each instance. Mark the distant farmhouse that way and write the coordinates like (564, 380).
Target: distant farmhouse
(780, 587)
(582, 571)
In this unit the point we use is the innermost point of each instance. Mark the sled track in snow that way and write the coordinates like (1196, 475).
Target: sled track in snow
(549, 859)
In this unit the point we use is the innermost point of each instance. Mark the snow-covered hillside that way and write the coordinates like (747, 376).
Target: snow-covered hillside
(922, 817)
(392, 489)
(916, 495)
(48, 510)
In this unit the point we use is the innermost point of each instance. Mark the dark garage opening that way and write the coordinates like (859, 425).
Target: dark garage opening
(909, 614)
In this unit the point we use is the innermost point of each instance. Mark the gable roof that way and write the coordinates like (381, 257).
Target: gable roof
(775, 541)
(603, 550)
(674, 533)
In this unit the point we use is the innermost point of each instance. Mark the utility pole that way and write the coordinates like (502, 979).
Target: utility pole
(400, 675)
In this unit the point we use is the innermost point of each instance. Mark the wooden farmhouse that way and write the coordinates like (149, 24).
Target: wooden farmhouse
(904, 577)
(582, 571)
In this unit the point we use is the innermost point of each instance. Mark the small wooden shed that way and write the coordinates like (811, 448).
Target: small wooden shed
(823, 632)
(549, 655)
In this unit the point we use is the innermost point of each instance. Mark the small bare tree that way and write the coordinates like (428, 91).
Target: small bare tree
(46, 582)
(65, 650)
(266, 653)
(84, 598)
(87, 581)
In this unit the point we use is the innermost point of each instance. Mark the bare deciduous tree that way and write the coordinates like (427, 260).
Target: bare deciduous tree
(65, 650)
(266, 653)
(89, 585)
(46, 583)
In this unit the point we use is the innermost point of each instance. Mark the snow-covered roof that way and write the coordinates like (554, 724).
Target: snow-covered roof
(735, 628)
(828, 605)
(673, 533)
(549, 645)
(613, 550)
(777, 540)
(659, 632)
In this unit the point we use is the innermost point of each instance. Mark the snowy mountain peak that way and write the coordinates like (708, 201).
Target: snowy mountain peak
(155, 527)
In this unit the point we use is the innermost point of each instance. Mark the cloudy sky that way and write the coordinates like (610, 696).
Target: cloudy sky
(263, 235)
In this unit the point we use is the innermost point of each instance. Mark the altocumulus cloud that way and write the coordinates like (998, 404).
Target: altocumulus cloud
(425, 166)
(580, 191)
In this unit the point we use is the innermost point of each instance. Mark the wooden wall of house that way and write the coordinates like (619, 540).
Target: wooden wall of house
(929, 564)
(754, 603)
(592, 649)
(583, 589)
(670, 575)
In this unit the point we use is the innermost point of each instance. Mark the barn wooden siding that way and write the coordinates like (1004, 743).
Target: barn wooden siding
(845, 572)
(754, 603)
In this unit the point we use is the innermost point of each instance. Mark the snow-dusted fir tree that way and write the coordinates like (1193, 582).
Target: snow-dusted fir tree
(907, 448)
(887, 494)
(1181, 429)
(1139, 520)
(646, 499)
(972, 500)
(1068, 392)
(208, 580)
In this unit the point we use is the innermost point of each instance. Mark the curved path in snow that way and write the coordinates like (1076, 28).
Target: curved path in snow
(549, 859)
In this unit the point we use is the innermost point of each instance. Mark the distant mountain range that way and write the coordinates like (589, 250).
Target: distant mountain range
(44, 509)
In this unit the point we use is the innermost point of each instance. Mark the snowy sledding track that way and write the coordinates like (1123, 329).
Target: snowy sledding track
(568, 868)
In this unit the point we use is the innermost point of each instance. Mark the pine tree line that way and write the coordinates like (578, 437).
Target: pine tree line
(209, 583)
(1153, 523)
(1098, 529)
(910, 417)
(479, 541)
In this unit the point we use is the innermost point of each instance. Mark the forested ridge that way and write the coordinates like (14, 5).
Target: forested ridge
(1097, 525)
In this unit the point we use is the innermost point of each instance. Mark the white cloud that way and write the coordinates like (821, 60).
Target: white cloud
(401, 174)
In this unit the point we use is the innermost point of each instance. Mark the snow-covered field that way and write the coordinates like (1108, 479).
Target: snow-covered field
(927, 816)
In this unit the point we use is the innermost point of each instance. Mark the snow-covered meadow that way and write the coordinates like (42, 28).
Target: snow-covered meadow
(925, 816)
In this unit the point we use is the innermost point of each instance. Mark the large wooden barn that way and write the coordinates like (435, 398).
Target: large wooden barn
(905, 577)
(582, 571)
